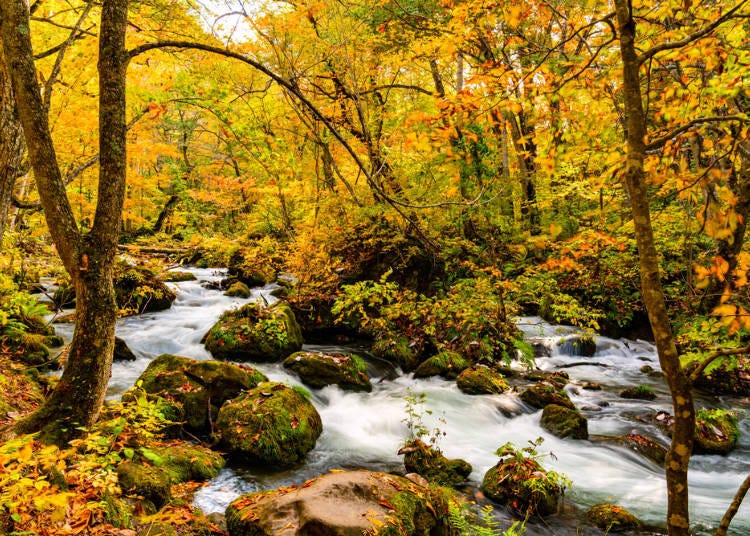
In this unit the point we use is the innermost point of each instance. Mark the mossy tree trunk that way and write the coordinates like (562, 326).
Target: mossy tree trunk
(88, 258)
(678, 457)
(11, 144)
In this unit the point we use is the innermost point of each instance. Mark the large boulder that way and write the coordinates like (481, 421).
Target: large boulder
(481, 380)
(317, 370)
(430, 463)
(564, 422)
(348, 503)
(612, 518)
(238, 290)
(398, 350)
(199, 387)
(272, 424)
(122, 351)
(544, 393)
(448, 364)
(255, 333)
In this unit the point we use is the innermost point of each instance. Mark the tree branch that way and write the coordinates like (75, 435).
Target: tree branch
(732, 510)
(671, 45)
(660, 141)
(713, 357)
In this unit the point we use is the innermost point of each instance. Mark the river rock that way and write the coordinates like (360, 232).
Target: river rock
(645, 446)
(716, 432)
(612, 518)
(150, 482)
(176, 276)
(348, 503)
(544, 393)
(122, 351)
(430, 463)
(481, 380)
(447, 363)
(641, 392)
(584, 346)
(317, 370)
(398, 350)
(558, 378)
(199, 387)
(238, 290)
(564, 422)
(272, 424)
(510, 482)
(255, 333)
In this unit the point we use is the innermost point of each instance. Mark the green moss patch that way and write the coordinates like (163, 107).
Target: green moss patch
(481, 380)
(348, 371)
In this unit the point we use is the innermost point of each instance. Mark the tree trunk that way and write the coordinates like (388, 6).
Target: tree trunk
(11, 145)
(164, 214)
(678, 457)
(89, 260)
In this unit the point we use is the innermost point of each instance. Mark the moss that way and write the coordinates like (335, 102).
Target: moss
(558, 378)
(716, 431)
(431, 464)
(641, 392)
(186, 462)
(238, 290)
(410, 515)
(544, 393)
(564, 422)
(271, 424)
(139, 291)
(397, 350)
(116, 511)
(319, 370)
(54, 341)
(479, 380)
(173, 276)
(644, 446)
(255, 333)
(447, 364)
(152, 483)
(522, 484)
(612, 518)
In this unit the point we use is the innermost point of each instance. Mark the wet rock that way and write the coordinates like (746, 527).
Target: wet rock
(430, 463)
(174, 276)
(238, 290)
(645, 446)
(138, 290)
(612, 518)
(255, 333)
(199, 388)
(317, 370)
(559, 378)
(344, 503)
(716, 431)
(584, 346)
(641, 392)
(399, 351)
(591, 386)
(542, 394)
(564, 422)
(122, 352)
(522, 484)
(272, 424)
(481, 380)
(447, 364)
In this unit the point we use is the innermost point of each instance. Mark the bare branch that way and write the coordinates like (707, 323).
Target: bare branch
(713, 357)
(732, 510)
(659, 142)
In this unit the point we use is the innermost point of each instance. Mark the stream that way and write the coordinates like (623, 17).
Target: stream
(365, 430)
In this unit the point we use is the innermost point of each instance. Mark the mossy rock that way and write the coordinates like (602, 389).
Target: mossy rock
(564, 422)
(558, 378)
(612, 518)
(716, 432)
(399, 351)
(584, 346)
(641, 392)
(447, 364)
(238, 290)
(543, 393)
(186, 462)
(175, 276)
(347, 503)
(198, 387)
(317, 370)
(271, 424)
(645, 446)
(522, 484)
(430, 463)
(255, 333)
(138, 290)
(54, 341)
(122, 351)
(152, 483)
(481, 380)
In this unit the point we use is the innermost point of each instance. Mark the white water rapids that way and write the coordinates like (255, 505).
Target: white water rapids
(365, 430)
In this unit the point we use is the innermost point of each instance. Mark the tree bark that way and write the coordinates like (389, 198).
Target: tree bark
(78, 397)
(678, 457)
(11, 145)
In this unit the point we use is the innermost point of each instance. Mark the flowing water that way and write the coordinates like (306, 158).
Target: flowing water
(365, 430)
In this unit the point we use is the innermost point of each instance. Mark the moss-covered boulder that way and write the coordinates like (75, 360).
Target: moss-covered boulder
(558, 378)
(640, 392)
(198, 387)
(564, 422)
(138, 290)
(348, 503)
(716, 431)
(583, 345)
(238, 290)
(122, 351)
(399, 351)
(446, 363)
(430, 463)
(186, 462)
(645, 446)
(544, 393)
(348, 371)
(272, 424)
(612, 518)
(481, 380)
(522, 484)
(255, 333)
(176, 276)
(150, 482)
